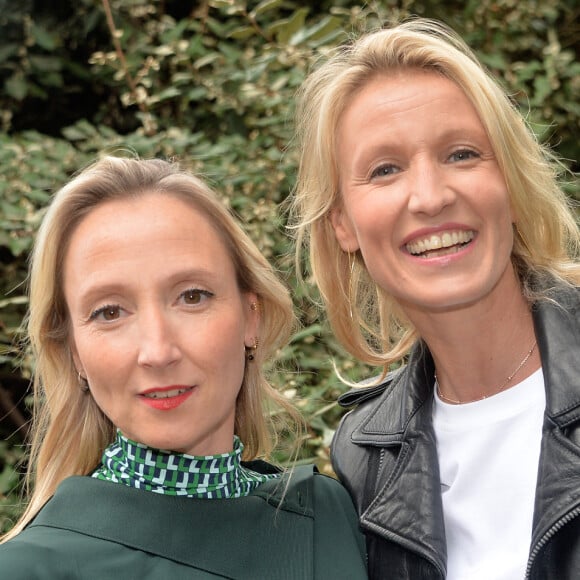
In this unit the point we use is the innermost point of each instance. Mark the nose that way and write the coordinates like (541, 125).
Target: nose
(157, 341)
(429, 191)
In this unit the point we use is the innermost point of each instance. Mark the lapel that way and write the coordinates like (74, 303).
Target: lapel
(558, 332)
(407, 507)
(232, 538)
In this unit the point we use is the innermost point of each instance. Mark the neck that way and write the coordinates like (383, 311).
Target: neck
(478, 347)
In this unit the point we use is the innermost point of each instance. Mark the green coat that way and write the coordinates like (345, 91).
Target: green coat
(97, 530)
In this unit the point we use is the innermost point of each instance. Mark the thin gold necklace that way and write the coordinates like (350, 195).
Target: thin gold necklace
(499, 390)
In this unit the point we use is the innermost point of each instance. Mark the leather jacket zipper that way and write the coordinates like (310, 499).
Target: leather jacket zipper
(548, 536)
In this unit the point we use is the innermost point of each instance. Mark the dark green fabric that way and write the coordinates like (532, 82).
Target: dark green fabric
(93, 530)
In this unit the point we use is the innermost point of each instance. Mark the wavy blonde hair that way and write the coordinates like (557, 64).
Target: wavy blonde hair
(70, 432)
(367, 320)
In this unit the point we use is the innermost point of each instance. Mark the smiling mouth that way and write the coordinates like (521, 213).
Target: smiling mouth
(166, 394)
(440, 244)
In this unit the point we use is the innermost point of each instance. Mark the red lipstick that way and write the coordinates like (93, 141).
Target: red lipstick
(166, 398)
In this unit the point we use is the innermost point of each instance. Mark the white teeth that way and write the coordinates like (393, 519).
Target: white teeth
(165, 394)
(436, 241)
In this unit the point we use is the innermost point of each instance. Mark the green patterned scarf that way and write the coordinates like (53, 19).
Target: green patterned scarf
(212, 477)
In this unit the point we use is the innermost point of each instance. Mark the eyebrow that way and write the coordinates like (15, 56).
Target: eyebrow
(93, 290)
(470, 132)
(460, 132)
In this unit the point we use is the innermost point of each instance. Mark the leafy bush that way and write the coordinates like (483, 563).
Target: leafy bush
(212, 83)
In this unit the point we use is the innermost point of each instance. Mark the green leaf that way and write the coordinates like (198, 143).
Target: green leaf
(242, 32)
(264, 6)
(495, 61)
(80, 131)
(168, 93)
(175, 32)
(221, 3)
(19, 245)
(205, 60)
(320, 30)
(8, 479)
(284, 29)
(16, 87)
(7, 51)
(46, 63)
(313, 330)
(43, 38)
(542, 89)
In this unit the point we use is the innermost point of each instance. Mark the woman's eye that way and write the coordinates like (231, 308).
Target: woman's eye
(384, 170)
(107, 313)
(194, 296)
(463, 155)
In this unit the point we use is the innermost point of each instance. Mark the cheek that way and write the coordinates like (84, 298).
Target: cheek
(103, 358)
(500, 213)
(223, 347)
(374, 226)
(225, 353)
(492, 187)
(100, 374)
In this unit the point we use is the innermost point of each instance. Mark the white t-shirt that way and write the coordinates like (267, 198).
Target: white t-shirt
(488, 456)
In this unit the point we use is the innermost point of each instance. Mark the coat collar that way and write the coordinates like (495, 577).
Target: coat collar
(557, 326)
(404, 393)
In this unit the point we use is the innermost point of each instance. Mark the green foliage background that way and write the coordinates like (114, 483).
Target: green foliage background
(212, 83)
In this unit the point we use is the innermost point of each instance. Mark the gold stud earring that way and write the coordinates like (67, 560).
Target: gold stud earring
(251, 350)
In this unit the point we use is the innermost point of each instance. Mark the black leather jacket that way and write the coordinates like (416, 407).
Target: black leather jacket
(384, 452)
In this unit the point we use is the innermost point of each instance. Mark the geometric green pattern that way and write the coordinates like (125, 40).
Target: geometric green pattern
(213, 477)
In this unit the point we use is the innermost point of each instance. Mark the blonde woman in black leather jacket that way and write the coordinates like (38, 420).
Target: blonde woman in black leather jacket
(441, 241)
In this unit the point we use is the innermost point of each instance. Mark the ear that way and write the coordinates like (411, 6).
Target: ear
(343, 230)
(252, 305)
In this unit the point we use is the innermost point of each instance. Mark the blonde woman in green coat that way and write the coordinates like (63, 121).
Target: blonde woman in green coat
(151, 316)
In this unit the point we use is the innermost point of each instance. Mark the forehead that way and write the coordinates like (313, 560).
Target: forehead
(150, 207)
(409, 106)
(133, 228)
(407, 88)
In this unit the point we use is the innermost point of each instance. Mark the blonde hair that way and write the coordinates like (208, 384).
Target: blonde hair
(366, 320)
(70, 432)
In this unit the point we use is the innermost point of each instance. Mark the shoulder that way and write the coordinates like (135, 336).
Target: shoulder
(327, 522)
(330, 494)
(557, 320)
(333, 506)
(568, 297)
(37, 554)
(301, 490)
(340, 547)
(307, 492)
(555, 294)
